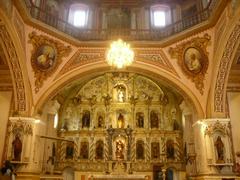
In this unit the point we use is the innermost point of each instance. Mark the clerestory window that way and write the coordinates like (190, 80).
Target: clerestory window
(78, 15)
(160, 16)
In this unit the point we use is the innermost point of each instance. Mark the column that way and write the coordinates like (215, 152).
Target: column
(110, 133)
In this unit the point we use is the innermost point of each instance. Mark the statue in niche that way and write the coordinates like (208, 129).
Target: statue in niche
(154, 119)
(84, 150)
(155, 150)
(140, 150)
(120, 121)
(175, 125)
(237, 167)
(170, 149)
(86, 119)
(65, 125)
(99, 150)
(220, 149)
(174, 119)
(100, 121)
(69, 150)
(140, 120)
(119, 149)
(121, 93)
(17, 148)
(53, 150)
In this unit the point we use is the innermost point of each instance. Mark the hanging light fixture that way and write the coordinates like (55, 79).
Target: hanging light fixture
(120, 54)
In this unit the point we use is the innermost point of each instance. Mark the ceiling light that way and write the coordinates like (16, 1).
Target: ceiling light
(120, 54)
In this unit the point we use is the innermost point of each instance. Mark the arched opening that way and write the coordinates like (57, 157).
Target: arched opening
(107, 128)
(6, 97)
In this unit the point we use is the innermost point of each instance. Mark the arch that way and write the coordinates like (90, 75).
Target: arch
(13, 52)
(96, 69)
(219, 92)
(169, 174)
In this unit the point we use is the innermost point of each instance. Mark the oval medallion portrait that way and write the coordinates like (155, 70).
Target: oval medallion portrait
(45, 57)
(193, 60)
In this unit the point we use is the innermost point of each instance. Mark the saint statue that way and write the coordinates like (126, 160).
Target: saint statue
(100, 121)
(170, 149)
(154, 119)
(119, 149)
(17, 148)
(120, 121)
(69, 150)
(86, 119)
(99, 150)
(84, 150)
(140, 120)
(140, 150)
(220, 149)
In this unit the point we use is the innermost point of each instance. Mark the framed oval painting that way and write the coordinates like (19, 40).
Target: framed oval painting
(193, 60)
(45, 57)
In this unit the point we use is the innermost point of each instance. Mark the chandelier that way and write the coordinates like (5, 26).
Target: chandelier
(120, 54)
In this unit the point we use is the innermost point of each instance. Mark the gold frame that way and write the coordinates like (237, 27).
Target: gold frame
(199, 45)
(40, 41)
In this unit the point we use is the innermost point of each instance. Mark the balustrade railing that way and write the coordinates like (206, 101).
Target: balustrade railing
(126, 34)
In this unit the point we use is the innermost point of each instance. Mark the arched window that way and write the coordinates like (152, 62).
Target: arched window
(78, 15)
(160, 15)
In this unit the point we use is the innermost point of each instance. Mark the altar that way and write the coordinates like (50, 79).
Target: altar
(119, 177)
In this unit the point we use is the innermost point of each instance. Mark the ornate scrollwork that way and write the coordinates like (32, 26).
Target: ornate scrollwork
(46, 57)
(20, 127)
(216, 127)
(193, 59)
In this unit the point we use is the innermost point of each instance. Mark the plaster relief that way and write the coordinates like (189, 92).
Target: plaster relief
(193, 59)
(46, 56)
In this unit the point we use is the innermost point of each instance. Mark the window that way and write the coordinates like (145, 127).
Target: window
(160, 16)
(79, 18)
(78, 15)
(55, 124)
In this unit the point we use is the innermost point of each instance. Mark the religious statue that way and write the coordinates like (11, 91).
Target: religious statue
(100, 121)
(120, 121)
(170, 149)
(119, 149)
(69, 150)
(154, 119)
(140, 120)
(155, 150)
(17, 148)
(84, 150)
(121, 93)
(140, 150)
(86, 119)
(220, 149)
(99, 150)
(237, 167)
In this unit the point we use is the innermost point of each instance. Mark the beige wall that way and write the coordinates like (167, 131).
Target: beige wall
(5, 101)
(234, 111)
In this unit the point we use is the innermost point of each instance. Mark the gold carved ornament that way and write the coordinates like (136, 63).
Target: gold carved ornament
(46, 56)
(192, 57)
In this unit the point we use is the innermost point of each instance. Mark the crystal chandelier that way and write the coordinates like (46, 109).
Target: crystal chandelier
(120, 54)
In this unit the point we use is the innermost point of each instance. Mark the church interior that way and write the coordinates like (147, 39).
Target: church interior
(119, 89)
